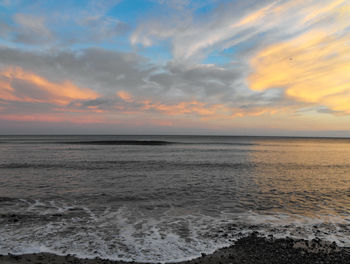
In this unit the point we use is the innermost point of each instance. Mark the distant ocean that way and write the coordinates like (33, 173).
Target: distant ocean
(168, 198)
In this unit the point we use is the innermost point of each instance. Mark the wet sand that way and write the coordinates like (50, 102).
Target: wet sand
(251, 249)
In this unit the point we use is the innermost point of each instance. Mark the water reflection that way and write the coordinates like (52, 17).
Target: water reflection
(303, 176)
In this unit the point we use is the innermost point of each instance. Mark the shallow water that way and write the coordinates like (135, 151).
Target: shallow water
(166, 198)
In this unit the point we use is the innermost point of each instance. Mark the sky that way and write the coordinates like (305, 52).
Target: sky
(220, 67)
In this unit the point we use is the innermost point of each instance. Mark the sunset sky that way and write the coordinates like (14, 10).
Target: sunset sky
(238, 67)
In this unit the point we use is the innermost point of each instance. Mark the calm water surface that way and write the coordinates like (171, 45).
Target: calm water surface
(166, 198)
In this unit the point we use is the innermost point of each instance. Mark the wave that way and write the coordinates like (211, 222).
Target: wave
(153, 142)
(135, 142)
(161, 164)
(124, 233)
(122, 142)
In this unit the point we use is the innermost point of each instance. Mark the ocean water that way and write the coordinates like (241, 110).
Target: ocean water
(168, 198)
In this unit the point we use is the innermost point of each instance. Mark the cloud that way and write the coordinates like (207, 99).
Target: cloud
(296, 50)
(31, 29)
(5, 29)
(313, 67)
(185, 4)
(235, 23)
(254, 63)
(98, 69)
(192, 35)
(56, 118)
(112, 84)
(61, 24)
(201, 81)
(21, 86)
(26, 29)
(8, 3)
(125, 96)
(100, 28)
(95, 25)
(108, 72)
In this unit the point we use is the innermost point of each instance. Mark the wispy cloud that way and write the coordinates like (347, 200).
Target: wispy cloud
(19, 85)
(63, 25)
(234, 23)
(31, 29)
(313, 67)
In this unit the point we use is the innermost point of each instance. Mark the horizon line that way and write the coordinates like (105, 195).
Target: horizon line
(182, 135)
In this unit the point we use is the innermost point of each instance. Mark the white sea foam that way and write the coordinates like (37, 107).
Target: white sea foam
(128, 234)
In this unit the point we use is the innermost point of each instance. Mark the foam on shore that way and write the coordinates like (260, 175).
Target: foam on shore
(127, 234)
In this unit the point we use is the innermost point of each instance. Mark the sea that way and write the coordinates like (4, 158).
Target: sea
(168, 198)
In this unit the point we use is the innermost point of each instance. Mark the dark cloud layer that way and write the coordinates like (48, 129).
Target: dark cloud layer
(149, 86)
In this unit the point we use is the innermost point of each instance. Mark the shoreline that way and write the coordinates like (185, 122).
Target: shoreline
(250, 249)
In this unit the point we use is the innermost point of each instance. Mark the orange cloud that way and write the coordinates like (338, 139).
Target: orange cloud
(254, 17)
(317, 12)
(125, 96)
(89, 109)
(192, 107)
(207, 111)
(312, 68)
(53, 118)
(19, 85)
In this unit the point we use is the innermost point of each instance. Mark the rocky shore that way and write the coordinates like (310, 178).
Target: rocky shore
(251, 249)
